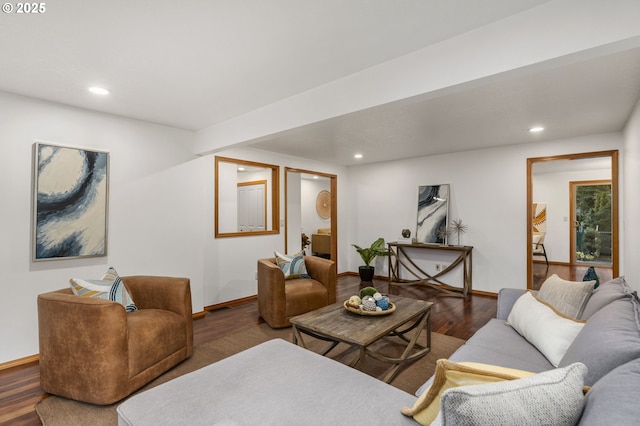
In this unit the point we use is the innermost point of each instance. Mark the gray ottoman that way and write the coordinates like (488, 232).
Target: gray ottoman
(274, 383)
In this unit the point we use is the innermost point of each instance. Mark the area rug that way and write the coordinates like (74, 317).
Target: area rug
(57, 411)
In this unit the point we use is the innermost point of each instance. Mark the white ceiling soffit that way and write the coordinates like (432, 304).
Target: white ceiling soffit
(194, 63)
(580, 98)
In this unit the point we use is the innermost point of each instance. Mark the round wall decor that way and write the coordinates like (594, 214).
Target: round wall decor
(323, 204)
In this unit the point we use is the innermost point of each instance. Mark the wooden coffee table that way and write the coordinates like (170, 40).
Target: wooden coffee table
(335, 324)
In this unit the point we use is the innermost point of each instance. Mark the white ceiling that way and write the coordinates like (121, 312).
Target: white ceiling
(195, 63)
(589, 97)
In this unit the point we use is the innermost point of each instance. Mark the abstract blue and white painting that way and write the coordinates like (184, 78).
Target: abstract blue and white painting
(70, 202)
(433, 212)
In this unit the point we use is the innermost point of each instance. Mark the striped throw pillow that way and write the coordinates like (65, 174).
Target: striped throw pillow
(110, 287)
(292, 265)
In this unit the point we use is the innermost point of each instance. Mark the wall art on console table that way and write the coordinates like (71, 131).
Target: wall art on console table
(433, 214)
(70, 202)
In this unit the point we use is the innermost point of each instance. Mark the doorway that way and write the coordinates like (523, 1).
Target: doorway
(310, 207)
(591, 214)
(558, 228)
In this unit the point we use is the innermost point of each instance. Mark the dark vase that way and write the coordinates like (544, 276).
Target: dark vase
(591, 275)
(366, 273)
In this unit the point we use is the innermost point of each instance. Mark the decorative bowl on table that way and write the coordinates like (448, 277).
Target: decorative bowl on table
(361, 311)
(369, 302)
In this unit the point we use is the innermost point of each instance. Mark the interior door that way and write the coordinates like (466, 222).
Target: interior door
(252, 212)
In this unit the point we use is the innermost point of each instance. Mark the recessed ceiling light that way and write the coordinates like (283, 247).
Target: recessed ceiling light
(536, 129)
(357, 156)
(98, 90)
(241, 169)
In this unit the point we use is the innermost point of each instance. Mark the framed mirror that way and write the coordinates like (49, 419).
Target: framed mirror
(572, 216)
(246, 198)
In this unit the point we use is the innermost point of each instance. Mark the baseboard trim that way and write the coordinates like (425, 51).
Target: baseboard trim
(19, 362)
(231, 303)
(198, 315)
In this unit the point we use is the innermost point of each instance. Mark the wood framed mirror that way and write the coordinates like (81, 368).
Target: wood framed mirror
(563, 173)
(246, 198)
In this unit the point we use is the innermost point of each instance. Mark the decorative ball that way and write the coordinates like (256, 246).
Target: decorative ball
(367, 291)
(377, 296)
(378, 309)
(369, 305)
(355, 300)
(383, 303)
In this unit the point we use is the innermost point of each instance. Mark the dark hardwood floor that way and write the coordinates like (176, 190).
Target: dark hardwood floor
(541, 271)
(20, 386)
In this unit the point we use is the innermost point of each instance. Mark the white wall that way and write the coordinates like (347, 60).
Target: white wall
(488, 192)
(155, 212)
(160, 212)
(630, 226)
(294, 211)
(230, 263)
(311, 220)
(161, 208)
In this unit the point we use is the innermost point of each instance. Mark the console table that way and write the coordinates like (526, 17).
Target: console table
(399, 258)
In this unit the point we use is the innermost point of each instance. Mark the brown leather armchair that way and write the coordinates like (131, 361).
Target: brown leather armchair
(280, 299)
(92, 350)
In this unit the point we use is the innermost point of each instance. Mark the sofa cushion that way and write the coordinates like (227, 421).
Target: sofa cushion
(292, 265)
(554, 397)
(545, 328)
(613, 400)
(567, 297)
(498, 343)
(611, 337)
(110, 287)
(606, 293)
(449, 375)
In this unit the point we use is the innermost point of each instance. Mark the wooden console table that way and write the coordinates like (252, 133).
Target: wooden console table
(399, 258)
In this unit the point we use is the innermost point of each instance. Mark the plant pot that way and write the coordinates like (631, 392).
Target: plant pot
(366, 273)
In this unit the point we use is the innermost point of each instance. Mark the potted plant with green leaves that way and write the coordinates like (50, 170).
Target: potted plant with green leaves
(368, 255)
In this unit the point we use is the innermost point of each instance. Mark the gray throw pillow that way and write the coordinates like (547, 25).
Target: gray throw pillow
(568, 297)
(613, 400)
(611, 337)
(606, 293)
(554, 397)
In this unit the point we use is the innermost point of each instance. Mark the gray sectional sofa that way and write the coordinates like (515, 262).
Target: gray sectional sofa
(281, 384)
(608, 345)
